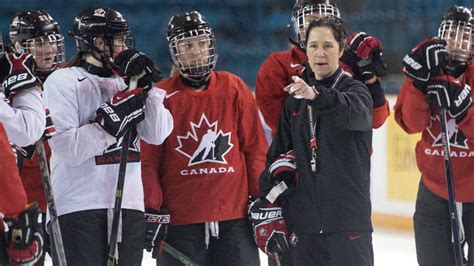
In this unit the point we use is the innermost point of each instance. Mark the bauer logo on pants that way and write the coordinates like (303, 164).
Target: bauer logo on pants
(205, 142)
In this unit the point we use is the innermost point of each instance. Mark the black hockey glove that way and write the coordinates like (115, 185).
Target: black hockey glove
(447, 92)
(25, 236)
(283, 169)
(156, 230)
(16, 73)
(125, 110)
(269, 228)
(132, 63)
(424, 61)
(364, 56)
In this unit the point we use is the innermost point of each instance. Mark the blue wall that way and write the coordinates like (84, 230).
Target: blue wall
(247, 31)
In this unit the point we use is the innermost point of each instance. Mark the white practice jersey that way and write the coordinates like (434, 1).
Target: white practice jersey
(85, 158)
(25, 120)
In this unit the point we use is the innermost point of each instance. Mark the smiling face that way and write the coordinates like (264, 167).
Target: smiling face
(323, 51)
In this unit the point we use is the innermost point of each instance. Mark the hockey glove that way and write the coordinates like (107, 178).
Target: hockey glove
(125, 110)
(364, 57)
(283, 169)
(28, 151)
(425, 60)
(156, 230)
(17, 73)
(50, 130)
(269, 228)
(25, 236)
(447, 92)
(132, 63)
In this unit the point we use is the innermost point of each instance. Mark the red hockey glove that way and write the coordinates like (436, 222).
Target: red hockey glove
(156, 230)
(364, 57)
(363, 45)
(16, 73)
(125, 110)
(25, 236)
(132, 63)
(425, 60)
(269, 228)
(447, 92)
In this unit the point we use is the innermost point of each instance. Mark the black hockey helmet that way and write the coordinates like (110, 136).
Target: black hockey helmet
(304, 8)
(95, 22)
(182, 29)
(37, 33)
(457, 28)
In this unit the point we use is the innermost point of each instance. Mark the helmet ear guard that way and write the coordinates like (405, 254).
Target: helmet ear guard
(185, 32)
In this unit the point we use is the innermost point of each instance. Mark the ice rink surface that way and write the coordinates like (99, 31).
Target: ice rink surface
(391, 248)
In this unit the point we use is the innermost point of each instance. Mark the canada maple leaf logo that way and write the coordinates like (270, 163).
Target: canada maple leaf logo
(205, 142)
(456, 137)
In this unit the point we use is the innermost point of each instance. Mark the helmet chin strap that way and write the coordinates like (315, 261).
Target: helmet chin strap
(103, 64)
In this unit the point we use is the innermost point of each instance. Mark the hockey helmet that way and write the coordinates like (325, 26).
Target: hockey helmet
(303, 10)
(37, 33)
(100, 22)
(457, 28)
(192, 45)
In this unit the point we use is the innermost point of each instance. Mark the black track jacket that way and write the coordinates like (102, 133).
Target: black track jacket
(336, 197)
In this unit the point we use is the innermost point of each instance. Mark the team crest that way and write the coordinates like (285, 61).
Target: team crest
(456, 137)
(112, 154)
(205, 142)
(99, 12)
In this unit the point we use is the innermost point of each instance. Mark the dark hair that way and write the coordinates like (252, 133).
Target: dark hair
(336, 25)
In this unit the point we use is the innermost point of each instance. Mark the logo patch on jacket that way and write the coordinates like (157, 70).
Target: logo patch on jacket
(112, 154)
(205, 142)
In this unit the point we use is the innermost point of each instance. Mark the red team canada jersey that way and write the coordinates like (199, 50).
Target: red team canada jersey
(210, 164)
(12, 194)
(414, 115)
(275, 73)
(33, 180)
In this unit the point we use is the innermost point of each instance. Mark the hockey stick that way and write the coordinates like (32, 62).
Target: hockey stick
(277, 258)
(119, 191)
(453, 214)
(53, 214)
(178, 255)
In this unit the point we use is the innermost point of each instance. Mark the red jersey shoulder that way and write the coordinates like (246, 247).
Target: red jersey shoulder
(288, 61)
(170, 84)
(229, 78)
(469, 75)
(233, 83)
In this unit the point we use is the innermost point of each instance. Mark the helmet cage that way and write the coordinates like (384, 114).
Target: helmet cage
(458, 35)
(48, 51)
(197, 67)
(300, 19)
